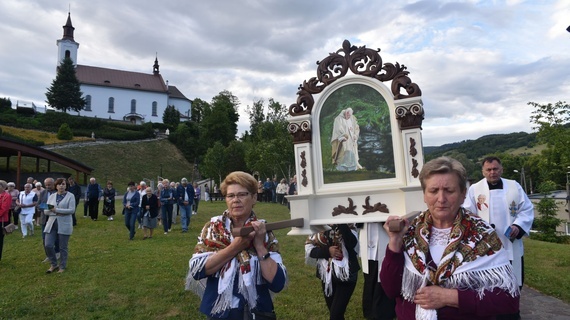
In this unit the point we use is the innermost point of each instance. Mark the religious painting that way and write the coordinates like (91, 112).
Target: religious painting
(356, 135)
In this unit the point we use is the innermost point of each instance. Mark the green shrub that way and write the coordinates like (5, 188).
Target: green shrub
(64, 132)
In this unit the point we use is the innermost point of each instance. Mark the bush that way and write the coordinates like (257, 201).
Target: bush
(551, 237)
(64, 132)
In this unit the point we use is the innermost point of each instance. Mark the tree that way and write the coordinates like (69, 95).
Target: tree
(269, 147)
(235, 155)
(256, 116)
(552, 121)
(171, 117)
(547, 222)
(5, 103)
(186, 137)
(198, 108)
(219, 123)
(64, 132)
(65, 91)
(214, 164)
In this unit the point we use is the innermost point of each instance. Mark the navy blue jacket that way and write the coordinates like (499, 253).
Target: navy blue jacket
(180, 194)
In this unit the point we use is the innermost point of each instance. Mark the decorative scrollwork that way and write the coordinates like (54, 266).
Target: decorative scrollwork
(301, 131)
(304, 181)
(340, 209)
(303, 160)
(415, 173)
(361, 61)
(413, 150)
(379, 206)
(410, 117)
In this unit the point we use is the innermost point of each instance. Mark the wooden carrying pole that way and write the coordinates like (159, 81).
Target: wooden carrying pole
(244, 231)
(398, 225)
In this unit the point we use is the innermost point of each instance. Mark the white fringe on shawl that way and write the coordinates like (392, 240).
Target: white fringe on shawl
(326, 267)
(227, 274)
(247, 282)
(484, 273)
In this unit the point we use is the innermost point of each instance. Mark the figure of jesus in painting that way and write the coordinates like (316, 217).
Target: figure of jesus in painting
(344, 141)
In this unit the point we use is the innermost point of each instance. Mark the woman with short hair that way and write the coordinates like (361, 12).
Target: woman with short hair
(131, 202)
(27, 200)
(109, 194)
(149, 209)
(238, 272)
(61, 205)
(14, 193)
(447, 263)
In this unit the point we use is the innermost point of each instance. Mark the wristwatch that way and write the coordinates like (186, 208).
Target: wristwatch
(266, 256)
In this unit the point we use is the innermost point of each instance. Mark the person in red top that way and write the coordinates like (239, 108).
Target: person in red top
(5, 203)
(447, 263)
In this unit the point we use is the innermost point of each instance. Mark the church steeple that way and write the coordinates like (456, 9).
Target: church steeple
(68, 29)
(66, 46)
(155, 69)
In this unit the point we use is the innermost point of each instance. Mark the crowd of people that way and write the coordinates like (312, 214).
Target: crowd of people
(51, 207)
(273, 191)
(458, 259)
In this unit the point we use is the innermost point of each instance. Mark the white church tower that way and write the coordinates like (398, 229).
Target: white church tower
(66, 46)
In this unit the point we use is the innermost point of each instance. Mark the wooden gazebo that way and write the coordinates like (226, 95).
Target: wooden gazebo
(10, 148)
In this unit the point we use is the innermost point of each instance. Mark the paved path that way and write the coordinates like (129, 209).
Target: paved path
(537, 306)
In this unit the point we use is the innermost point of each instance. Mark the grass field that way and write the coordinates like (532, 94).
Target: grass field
(110, 277)
(46, 137)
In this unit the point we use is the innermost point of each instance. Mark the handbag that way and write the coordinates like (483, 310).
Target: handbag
(8, 228)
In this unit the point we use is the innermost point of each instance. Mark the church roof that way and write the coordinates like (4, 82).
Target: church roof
(120, 79)
(173, 92)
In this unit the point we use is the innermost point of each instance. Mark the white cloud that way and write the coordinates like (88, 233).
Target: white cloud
(478, 63)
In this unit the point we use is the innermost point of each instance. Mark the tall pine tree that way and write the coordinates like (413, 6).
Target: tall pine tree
(65, 91)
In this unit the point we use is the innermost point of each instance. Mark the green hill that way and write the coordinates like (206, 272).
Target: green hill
(515, 143)
(122, 162)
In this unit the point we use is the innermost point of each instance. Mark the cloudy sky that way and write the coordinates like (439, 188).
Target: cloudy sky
(478, 63)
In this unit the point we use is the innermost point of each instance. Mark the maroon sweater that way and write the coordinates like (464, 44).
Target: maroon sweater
(470, 306)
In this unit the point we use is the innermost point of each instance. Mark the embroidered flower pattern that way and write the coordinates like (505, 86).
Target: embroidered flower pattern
(469, 238)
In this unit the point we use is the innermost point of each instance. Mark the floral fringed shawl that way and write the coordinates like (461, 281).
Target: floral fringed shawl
(216, 235)
(471, 260)
(326, 267)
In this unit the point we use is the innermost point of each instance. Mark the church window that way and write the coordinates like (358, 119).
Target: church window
(133, 106)
(87, 103)
(154, 109)
(67, 54)
(111, 105)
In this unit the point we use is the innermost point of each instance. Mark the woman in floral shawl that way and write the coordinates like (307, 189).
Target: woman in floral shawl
(234, 275)
(447, 263)
(337, 265)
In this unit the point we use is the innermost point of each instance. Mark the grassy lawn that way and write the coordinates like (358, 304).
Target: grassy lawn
(547, 268)
(46, 137)
(110, 277)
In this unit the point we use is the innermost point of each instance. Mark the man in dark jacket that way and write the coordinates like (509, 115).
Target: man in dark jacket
(94, 192)
(185, 193)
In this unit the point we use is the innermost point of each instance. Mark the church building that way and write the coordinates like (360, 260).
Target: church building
(122, 95)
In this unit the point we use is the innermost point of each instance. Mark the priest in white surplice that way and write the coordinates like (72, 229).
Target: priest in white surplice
(505, 205)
